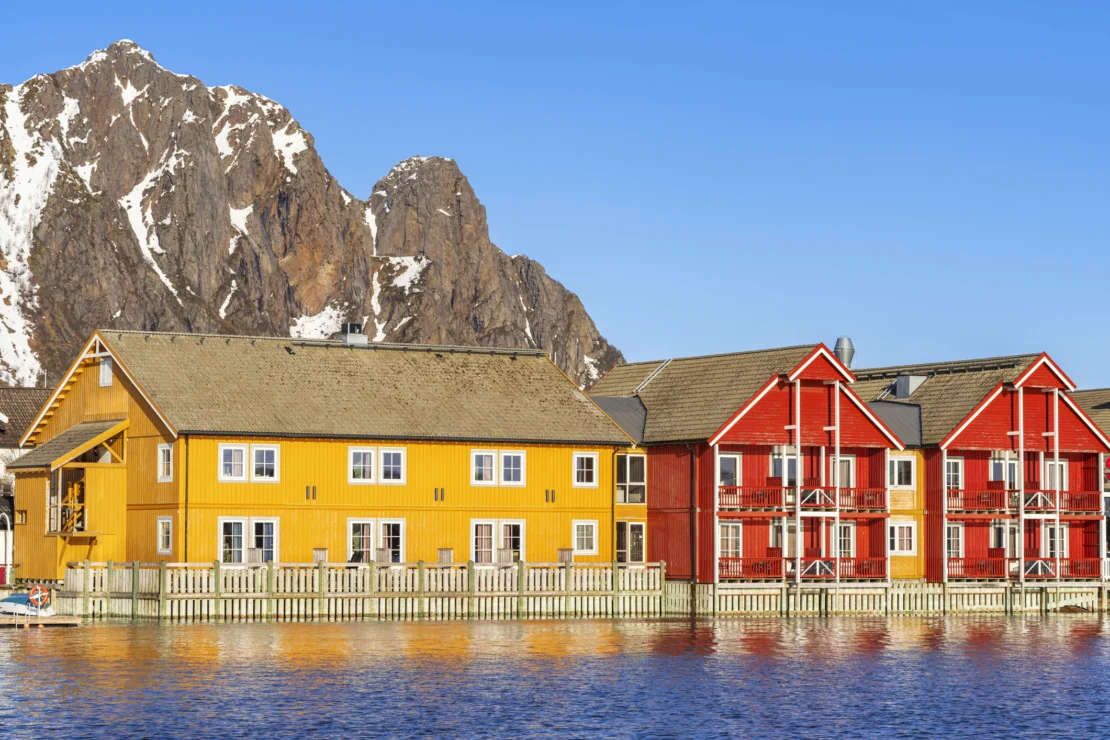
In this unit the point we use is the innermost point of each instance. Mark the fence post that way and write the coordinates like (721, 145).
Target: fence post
(615, 611)
(134, 590)
(108, 587)
(470, 585)
(270, 582)
(663, 588)
(521, 568)
(567, 571)
(161, 590)
(420, 589)
(374, 589)
(88, 591)
(322, 576)
(217, 585)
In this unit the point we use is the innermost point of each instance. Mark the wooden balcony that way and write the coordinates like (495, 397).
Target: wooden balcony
(992, 500)
(851, 499)
(1068, 568)
(990, 568)
(813, 569)
(750, 497)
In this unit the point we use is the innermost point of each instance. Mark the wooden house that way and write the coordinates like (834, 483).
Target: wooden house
(1009, 463)
(762, 467)
(192, 448)
(18, 408)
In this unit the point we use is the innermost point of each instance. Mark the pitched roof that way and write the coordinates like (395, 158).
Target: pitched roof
(629, 414)
(20, 406)
(690, 398)
(55, 448)
(1096, 402)
(950, 392)
(284, 387)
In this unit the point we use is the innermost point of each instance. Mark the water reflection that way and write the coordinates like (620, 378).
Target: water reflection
(858, 677)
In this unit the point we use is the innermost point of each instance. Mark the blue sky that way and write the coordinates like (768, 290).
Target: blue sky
(932, 179)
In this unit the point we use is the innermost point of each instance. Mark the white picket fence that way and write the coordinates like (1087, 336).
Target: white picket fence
(344, 591)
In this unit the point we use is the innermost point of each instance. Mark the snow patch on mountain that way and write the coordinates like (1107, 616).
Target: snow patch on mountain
(317, 326)
(142, 223)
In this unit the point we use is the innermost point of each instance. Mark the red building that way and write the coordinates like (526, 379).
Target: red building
(762, 466)
(1012, 467)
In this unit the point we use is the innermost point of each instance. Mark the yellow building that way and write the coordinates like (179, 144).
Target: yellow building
(191, 448)
(906, 478)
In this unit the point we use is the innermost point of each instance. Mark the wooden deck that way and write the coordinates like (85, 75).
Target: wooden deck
(36, 622)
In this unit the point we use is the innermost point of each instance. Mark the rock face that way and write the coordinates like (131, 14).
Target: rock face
(135, 198)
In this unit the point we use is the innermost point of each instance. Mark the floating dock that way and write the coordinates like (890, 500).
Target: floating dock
(20, 622)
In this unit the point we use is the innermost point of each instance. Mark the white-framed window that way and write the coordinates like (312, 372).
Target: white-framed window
(729, 469)
(164, 535)
(954, 539)
(360, 465)
(482, 467)
(784, 465)
(1051, 470)
(105, 367)
(165, 463)
(902, 472)
(264, 538)
(842, 471)
(233, 539)
(392, 541)
(903, 538)
(265, 463)
(361, 542)
(1054, 544)
(1005, 469)
(630, 542)
(1004, 536)
(631, 479)
(391, 468)
(513, 465)
(233, 463)
(731, 540)
(584, 533)
(584, 470)
(954, 477)
(785, 537)
(497, 541)
(846, 540)
(481, 541)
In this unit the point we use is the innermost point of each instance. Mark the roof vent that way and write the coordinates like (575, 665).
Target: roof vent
(905, 385)
(352, 334)
(845, 351)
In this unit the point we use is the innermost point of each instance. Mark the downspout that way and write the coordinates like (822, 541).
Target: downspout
(186, 466)
(613, 506)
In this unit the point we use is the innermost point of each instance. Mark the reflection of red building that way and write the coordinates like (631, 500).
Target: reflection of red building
(762, 467)
(1012, 468)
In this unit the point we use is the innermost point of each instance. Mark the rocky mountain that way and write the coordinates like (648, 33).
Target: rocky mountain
(132, 197)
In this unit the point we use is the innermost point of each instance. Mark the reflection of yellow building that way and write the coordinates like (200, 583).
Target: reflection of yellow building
(907, 514)
(201, 448)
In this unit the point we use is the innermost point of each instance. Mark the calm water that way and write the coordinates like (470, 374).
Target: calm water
(854, 677)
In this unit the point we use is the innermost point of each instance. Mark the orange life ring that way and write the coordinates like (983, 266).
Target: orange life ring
(38, 596)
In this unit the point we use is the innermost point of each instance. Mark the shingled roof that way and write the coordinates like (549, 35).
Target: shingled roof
(950, 392)
(20, 406)
(1096, 402)
(283, 387)
(689, 398)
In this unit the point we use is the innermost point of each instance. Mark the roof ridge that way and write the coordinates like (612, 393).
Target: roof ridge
(1089, 390)
(327, 343)
(983, 363)
(810, 346)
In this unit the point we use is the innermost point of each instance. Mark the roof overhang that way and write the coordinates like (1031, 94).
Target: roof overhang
(87, 440)
(95, 347)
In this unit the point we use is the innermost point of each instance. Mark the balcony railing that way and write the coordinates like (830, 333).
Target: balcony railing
(750, 497)
(751, 568)
(862, 568)
(1035, 500)
(980, 568)
(1069, 568)
(960, 500)
(863, 498)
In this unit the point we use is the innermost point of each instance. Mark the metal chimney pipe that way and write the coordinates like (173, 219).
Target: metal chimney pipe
(845, 351)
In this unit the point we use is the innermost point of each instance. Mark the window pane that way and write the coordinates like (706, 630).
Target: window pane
(233, 542)
(636, 544)
(391, 540)
(622, 469)
(265, 463)
(362, 465)
(512, 468)
(392, 466)
(584, 469)
(622, 542)
(728, 475)
(362, 542)
(483, 543)
(483, 468)
(264, 540)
